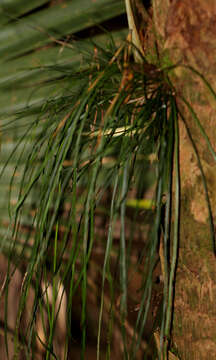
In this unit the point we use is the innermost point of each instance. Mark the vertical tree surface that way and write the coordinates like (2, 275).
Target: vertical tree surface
(187, 37)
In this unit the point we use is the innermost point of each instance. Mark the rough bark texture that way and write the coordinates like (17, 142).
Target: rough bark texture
(187, 31)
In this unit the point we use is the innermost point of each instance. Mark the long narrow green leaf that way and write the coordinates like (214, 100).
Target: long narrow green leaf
(50, 62)
(53, 23)
(106, 260)
(123, 269)
(175, 243)
(11, 9)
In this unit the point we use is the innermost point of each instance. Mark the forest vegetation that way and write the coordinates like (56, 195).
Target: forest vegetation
(107, 179)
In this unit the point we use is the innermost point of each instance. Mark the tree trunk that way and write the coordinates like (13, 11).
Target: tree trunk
(186, 35)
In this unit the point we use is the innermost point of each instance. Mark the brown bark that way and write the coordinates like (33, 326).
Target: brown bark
(187, 31)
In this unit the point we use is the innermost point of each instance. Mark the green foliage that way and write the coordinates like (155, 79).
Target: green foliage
(107, 111)
(87, 125)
